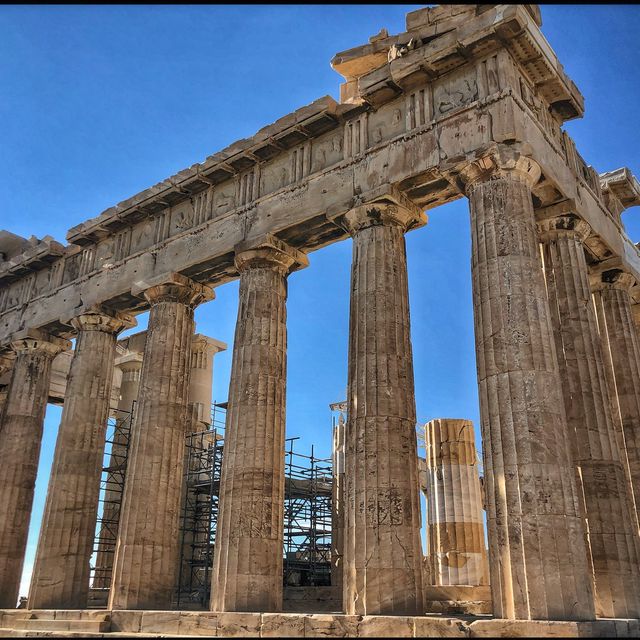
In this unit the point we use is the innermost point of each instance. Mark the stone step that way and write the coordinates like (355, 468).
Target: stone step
(68, 614)
(49, 624)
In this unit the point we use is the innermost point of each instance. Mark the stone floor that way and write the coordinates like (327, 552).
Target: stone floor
(101, 623)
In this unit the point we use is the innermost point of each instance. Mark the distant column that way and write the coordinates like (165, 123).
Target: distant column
(203, 350)
(622, 353)
(146, 562)
(60, 578)
(382, 549)
(21, 429)
(247, 571)
(337, 508)
(537, 554)
(454, 504)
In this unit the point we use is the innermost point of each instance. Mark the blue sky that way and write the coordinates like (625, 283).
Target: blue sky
(100, 102)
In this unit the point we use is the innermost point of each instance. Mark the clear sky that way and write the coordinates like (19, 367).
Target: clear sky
(100, 102)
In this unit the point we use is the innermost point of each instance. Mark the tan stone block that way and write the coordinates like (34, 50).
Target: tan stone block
(238, 625)
(524, 629)
(331, 626)
(198, 623)
(160, 622)
(282, 625)
(386, 627)
(438, 627)
(126, 621)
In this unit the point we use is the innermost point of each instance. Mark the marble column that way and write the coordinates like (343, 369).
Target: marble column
(537, 550)
(194, 538)
(247, 572)
(130, 366)
(454, 504)
(382, 572)
(203, 350)
(60, 578)
(622, 354)
(597, 458)
(337, 507)
(20, 440)
(147, 558)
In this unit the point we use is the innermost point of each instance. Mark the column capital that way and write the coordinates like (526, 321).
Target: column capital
(212, 346)
(173, 287)
(271, 252)
(129, 362)
(563, 225)
(614, 278)
(34, 340)
(611, 274)
(101, 319)
(502, 162)
(385, 205)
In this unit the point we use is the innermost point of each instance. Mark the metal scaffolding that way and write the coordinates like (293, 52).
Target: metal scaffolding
(203, 465)
(110, 500)
(307, 515)
(307, 512)
(307, 519)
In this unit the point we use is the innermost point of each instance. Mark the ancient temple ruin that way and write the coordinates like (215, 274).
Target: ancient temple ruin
(468, 102)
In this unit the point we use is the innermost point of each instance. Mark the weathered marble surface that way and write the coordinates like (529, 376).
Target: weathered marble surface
(20, 440)
(247, 573)
(60, 577)
(116, 623)
(598, 455)
(146, 562)
(382, 551)
(455, 530)
(537, 548)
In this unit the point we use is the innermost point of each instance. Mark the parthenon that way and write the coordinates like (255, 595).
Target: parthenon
(469, 101)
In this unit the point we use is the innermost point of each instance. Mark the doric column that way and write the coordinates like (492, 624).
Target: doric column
(60, 578)
(622, 355)
(537, 555)
(203, 350)
(597, 458)
(337, 507)
(247, 573)
(454, 504)
(20, 439)
(382, 550)
(130, 366)
(146, 561)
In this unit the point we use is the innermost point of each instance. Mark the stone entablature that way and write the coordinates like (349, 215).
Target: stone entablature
(458, 82)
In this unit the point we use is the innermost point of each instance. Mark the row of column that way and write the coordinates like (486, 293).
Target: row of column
(561, 520)
(560, 448)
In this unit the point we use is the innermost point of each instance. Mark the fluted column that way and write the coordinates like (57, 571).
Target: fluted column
(454, 504)
(537, 551)
(382, 550)
(60, 578)
(130, 365)
(146, 561)
(622, 355)
(337, 507)
(20, 440)
(203, 350)
(597, 458)
(247, 573)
